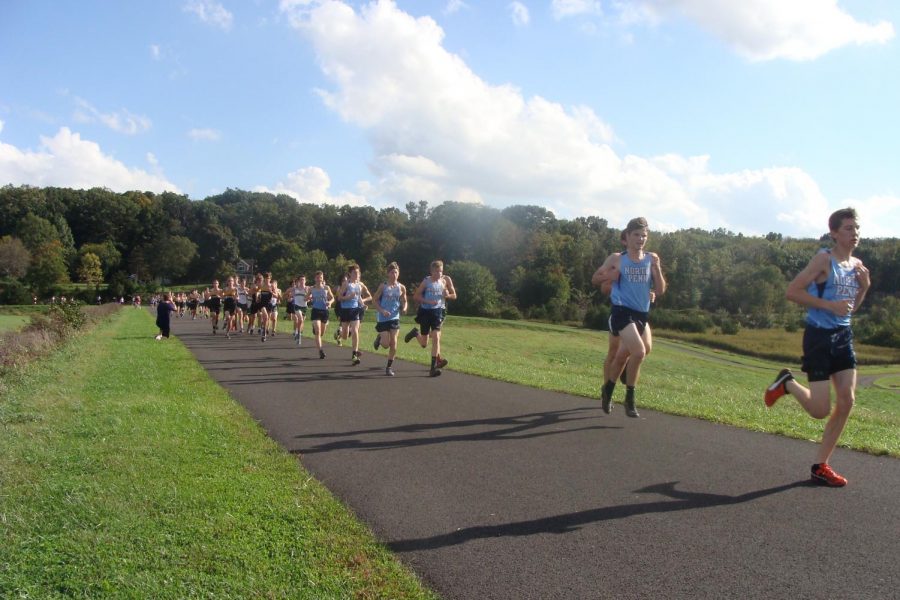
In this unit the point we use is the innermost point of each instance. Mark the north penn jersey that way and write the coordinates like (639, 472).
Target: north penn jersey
(434, 291)
(841, 284)
(632, 288)
(319, 298)
(354, 289)
(389, 301)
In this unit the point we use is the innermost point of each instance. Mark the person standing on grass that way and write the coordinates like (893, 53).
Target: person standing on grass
(389, 301)
(831, 287)
(321, 298)
(431, 296)
(164, 311)
(633, 273)
(353, 296)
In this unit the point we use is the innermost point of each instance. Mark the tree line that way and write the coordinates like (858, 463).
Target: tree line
(521, 261)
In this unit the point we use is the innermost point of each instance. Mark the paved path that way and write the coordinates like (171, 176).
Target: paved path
(492, 490)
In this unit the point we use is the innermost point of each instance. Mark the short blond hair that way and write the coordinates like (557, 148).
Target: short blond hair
(437, 264)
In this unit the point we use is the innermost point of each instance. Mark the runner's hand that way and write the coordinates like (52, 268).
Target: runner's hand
(841, 308)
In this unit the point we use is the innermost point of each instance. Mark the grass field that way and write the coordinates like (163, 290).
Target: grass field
(125, 471)
(12, 322)
(677, 378)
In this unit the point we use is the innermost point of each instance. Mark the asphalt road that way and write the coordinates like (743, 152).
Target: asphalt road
(492, 490)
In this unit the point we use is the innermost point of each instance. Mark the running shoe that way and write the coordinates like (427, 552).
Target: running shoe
(321, 354)
(389, 372)
(778, 389)
(214, 331)
(824, 474)
(630, 409)
(263, 338)
(441, 363)
(337, 335)
(414, 332)
(434, 372)
(377, 343)
(157, 338)
(355, 360)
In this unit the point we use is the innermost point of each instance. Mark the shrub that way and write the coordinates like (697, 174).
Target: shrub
(597, 317)
(730, 327)
(510, 313)
(13, 292)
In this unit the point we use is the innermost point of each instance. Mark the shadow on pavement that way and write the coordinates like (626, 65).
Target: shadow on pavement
(681, 500)
(509, 428)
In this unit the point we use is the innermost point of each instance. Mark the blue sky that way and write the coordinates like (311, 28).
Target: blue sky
(756, 116)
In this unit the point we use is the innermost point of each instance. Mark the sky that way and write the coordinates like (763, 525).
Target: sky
(758, 116)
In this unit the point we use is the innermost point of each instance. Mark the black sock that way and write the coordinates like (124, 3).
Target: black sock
(390, 363)
(608, 388)
(629, 392)
(433, 361)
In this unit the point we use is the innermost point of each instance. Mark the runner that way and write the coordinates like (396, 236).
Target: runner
(229, 306)
(431, 296)
(353, 296)
(389, 302)
(263, 299)
(273, 306)
(337, 308)
(832, 287)
(606, 289)
(322, 298)
(298, 295)
(243, 305)
(214, 304)
(632, 274)
(193, 301)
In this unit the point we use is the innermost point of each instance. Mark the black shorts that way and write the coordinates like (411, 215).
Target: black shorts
(827, 351)
(300, 310)
(243, 306)
(192, 304)
(430, 319)
(320, 314)
(290, 308)
(382, 326)
(348, 315)
(621, 317)
(230, 305)
(254, 307)
(214, 304)
(337, 312)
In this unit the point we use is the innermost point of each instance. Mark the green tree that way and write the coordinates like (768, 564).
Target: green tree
(110, 257)
(476, 289)
(35, 231)
(89, 269)
(14, 257)
(48, 267)
(170, 256)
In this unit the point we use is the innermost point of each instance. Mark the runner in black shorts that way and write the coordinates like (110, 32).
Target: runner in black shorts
(431, 296)
(832, 287)
(214, 304)
(321, 298)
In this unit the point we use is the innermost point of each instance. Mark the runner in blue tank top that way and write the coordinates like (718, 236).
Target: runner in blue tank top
(431, 296)
(353, 296)
(321, 298)
(632, 274)
(389, 301)
(832, 287)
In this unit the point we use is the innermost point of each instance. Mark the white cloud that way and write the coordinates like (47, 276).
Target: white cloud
(151, 158)
(122, 121)
(311, 185)
(454, 6)
(66, 160)
(768, 29)
(439, 132)
(211, 12)
(155, 51)
(571, 8)
(206, 135)
(1, 125)
(520, 15)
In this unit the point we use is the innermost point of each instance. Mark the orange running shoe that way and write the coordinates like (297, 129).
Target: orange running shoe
(824, 474)
(777, 389)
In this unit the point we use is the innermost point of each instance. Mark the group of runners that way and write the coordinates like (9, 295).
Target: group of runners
(831, 287)
(244, 305)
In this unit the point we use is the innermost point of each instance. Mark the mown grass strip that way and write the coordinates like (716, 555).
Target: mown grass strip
(677, 378)
(126, 472)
